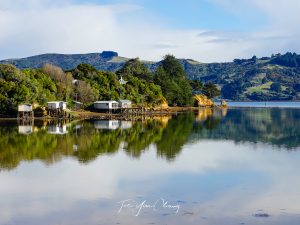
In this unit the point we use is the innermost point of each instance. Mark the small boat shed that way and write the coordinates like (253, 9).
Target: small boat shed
(106, 105)
(123, 104)
(25, 111)
(57, 105)
(57, 109)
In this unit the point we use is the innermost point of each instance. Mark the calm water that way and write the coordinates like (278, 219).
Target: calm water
(282, 104)
(236, 166)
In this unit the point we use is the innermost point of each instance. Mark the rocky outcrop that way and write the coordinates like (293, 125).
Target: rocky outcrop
(203, 101)
(163, 104)
(223, 104)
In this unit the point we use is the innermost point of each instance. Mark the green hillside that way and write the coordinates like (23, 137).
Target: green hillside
(86, 84)
(267, 78)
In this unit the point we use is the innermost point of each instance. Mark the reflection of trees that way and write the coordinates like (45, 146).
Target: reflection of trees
(141, 136)
(87, 143)
(174, 136)
(92, 143)
(279, 127)
(15, 147)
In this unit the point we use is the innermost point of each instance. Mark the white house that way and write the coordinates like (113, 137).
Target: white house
(122, 81)
(57, 105)
(125, 104)
(107, 124)
(25, 108)
(106, 105)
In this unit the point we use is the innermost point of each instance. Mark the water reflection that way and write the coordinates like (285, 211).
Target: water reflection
(112, 124)
(274, 126)
(195, 160)
(57, 129)
(50, 141)
(25, 129)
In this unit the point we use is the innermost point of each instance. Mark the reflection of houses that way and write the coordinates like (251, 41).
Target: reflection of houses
(57, 129)
(112, 124)
(106, 105)
(125, 125)
(25, 111)
(107, 124)
(25, 129)
(123, 104)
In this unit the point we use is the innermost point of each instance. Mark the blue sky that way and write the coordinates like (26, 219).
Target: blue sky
(193, 14)
(205, 30)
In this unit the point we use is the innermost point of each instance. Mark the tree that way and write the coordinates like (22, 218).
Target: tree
(105, 85)
(63, 81)
(84, 92)
(254, 58)
(56, 73)
(196, 85)
(172, 79)
(83, 71)
(276, 87)
(264, 80)
(136, 68)
(211, 90)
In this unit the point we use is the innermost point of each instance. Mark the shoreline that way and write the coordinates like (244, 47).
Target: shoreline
(100, 115)
(160, 112)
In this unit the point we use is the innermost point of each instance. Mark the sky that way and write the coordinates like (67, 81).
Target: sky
(203, 30)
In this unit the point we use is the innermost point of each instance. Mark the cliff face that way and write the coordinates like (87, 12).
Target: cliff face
(203, 101)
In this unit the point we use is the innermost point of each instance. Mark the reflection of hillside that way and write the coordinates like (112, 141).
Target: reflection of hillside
(87, 140)
(279, 127)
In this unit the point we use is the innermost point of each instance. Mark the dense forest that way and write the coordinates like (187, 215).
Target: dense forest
(267, 78)
(84, 83)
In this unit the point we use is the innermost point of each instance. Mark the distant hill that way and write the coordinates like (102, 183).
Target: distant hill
(267, 78)
(99, 60)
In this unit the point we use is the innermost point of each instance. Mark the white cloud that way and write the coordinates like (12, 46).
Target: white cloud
(44, 26)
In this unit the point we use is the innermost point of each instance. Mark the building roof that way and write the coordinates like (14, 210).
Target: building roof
(56, 102)
(25, 104)
(125, 101)
(111, 101)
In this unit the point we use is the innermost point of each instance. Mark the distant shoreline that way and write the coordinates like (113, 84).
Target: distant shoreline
(258, 101)
(162, 112)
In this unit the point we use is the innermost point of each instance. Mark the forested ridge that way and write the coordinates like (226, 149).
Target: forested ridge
(276, 77)
(86, 84)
